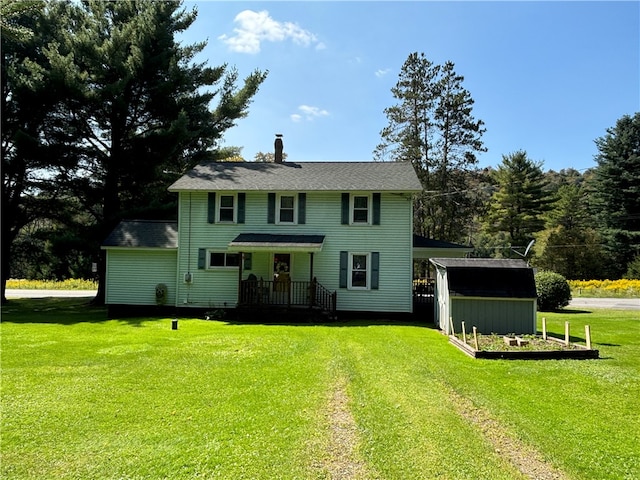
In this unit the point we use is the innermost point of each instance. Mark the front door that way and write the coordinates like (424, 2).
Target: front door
(281, 265)
(282, 278)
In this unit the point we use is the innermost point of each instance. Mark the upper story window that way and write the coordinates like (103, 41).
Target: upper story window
(226, 207)
(360, 209)
(226, 211)
(287, 209)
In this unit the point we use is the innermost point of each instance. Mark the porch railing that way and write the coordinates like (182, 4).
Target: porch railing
(423, 290)
(287, 293)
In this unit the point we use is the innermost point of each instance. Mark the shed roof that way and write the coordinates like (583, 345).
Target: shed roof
(143, 234)
(480, 262)
(300, 176)
(486, 277)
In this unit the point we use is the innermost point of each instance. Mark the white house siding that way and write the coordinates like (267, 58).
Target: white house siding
(392, 239)
(494, 315)
(132, 275)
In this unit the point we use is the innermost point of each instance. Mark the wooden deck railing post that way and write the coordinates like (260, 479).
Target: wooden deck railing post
(312, 292)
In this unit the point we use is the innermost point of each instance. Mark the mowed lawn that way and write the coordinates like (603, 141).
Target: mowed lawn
(89, 398)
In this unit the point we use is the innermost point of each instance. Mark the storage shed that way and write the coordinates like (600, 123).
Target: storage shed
(495, 295)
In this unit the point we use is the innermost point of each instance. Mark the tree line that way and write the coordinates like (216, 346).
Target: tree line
(583, 225)
(102, 109)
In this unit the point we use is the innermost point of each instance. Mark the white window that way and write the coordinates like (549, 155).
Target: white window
(286, 209)
(359, 271)
(360, 208)
(223, 260)
(227, 209)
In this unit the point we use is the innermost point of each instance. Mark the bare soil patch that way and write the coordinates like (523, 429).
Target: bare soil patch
(341, 460)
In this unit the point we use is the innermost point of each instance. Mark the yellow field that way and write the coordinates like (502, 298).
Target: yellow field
(70, 284)
(605, 288)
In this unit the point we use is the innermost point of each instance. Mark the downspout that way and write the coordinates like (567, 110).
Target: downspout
(189, 255)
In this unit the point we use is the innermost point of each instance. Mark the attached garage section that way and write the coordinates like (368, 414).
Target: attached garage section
(133, 275)
(142, 259)
(494, 295)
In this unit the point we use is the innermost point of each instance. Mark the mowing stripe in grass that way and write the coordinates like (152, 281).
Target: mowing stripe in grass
(342, 461)
(524, 457)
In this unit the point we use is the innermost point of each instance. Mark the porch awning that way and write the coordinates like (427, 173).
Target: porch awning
(267, 242)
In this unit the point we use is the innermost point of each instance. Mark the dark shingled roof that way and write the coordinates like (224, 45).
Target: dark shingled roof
(277, 238)
(301, 176)
(480, 262)
(144, 234)
(487, 277)
(424, 242)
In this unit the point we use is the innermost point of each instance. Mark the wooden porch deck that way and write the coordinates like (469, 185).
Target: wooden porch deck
(288, 294)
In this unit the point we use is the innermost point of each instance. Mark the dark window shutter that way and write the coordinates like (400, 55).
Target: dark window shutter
(211, 212)
(344, 269)
(241, 207)
(271, 208)
(345, 209)
(248, 261)
(375, 270)
(202, 258)
(302, 208)
(376, 209)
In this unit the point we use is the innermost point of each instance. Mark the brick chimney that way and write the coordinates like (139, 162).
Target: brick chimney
(278, 146)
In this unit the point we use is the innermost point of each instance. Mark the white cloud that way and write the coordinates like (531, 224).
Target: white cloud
(382, 72)
(308, 113)
(253, 28)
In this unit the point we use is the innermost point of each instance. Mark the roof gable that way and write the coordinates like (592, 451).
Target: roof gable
(300, 176)
(143, 234)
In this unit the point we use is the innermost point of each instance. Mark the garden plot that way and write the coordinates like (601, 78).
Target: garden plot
(533, 347)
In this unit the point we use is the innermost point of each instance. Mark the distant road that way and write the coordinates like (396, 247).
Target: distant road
(28, 293)
(615, 303)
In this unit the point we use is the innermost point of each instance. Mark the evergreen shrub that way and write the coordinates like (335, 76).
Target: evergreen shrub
(553, 291)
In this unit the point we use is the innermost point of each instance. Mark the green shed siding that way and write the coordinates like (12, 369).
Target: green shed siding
(488, 314)
(494, 315)
(132, 276)
(323, 213)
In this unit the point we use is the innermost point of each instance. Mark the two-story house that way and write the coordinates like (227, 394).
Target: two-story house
(283, 233)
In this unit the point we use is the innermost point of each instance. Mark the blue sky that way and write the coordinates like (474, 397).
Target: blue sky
(546, 77)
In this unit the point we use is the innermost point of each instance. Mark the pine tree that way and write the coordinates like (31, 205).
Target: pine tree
(132, 110)
(570, 245)
(616, 195)
(519, 203)
(432, 127)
